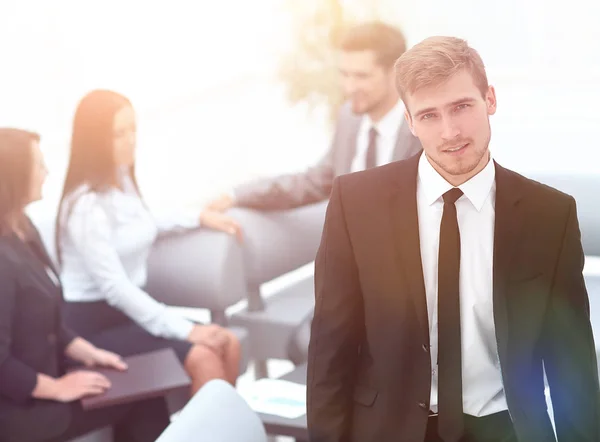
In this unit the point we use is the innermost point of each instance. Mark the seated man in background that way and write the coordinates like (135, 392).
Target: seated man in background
(370, 130)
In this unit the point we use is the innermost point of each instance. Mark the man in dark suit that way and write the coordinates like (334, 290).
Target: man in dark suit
(370, 129)
(445, 284)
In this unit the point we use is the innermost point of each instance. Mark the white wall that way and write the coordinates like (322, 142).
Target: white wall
(544, 59)
(200, 74)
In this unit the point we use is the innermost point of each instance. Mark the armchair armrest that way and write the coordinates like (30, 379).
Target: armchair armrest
(279, 242)
(197, 268)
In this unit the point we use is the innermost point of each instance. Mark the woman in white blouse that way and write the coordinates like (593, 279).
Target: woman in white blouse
(104, 236)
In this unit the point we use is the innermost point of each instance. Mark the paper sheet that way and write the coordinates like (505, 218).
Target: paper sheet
(277, 397)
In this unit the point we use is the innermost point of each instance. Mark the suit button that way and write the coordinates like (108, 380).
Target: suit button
(424, 406)
(52, 339)
(425, 348)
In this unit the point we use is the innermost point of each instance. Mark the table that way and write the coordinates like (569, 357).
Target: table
(281, 426)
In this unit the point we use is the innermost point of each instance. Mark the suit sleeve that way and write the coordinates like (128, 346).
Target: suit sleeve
(65, 336)
(17, 380)
(569, 349)
(337, 330)
(286, 192)
(290, 191)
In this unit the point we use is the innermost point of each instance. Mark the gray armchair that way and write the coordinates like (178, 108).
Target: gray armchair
(197, 268)
(276, 243)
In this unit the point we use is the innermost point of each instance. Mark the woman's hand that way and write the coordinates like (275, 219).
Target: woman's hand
(104, 358)
(221, 221)
(90, 355)
(78, 384)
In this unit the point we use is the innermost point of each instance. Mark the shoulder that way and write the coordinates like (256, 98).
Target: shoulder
(382, 179)
(536, 191)
(346, 116)
(82, 205)
(547, 208)
(84, 200)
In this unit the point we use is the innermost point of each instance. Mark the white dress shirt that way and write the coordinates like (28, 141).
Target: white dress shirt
(387, 130)
(483, 391)
(105, 246)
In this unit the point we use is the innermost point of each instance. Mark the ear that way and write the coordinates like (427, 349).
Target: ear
(490, 99)
(409, 120)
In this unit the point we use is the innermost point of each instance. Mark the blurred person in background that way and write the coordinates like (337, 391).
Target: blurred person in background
(370, 130)
(104, 234)
(39, 401)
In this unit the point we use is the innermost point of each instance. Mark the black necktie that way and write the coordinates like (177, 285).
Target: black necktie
(450, 405)
(371, 160)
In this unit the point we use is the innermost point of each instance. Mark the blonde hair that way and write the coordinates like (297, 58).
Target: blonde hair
(435, 60)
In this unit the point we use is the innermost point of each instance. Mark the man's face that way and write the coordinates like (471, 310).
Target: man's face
(452, 122)
(364, 81)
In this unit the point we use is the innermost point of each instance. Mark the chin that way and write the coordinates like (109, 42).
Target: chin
(359, 108)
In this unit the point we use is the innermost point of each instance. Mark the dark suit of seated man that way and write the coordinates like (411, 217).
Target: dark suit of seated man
(39, 401)
(446, 284)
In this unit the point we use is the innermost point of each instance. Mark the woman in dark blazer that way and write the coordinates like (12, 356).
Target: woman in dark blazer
(39, 401)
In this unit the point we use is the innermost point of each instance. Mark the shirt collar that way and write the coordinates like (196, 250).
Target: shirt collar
(389, 124)
(476, 189)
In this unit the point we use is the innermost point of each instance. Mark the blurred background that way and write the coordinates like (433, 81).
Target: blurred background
(233, 89)
(230, 90)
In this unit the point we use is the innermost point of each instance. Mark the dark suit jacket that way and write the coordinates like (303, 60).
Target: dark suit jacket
(314, 184)
(369, 370)
(32, 340)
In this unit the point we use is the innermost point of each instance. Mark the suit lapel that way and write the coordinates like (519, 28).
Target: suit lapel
(507, 230)
(39, 260)
(405, 226)
(41, 251)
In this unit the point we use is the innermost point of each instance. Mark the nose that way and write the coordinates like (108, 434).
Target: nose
(449, 129)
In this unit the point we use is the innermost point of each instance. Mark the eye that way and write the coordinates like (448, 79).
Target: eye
(462, 106)
(427, 116)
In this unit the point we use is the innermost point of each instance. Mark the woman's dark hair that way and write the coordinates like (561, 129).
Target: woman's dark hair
(16, 165)
(91, 161)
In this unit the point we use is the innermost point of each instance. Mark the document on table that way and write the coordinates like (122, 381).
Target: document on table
(277, 397)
